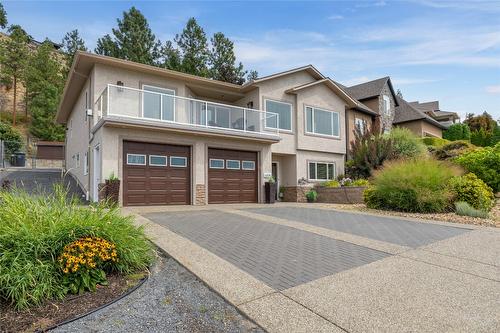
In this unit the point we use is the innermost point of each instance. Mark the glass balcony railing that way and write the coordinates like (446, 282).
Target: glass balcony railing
(152, 105)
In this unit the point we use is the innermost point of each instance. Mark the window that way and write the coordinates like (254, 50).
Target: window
(233, 164)
(77, 160)
(158, 103)
(322, 122)
(321, 171)
(284, 111)
(386, 104)
(248, 165)
(360, 125)
(157, 160)
(178, 162)
(85, 163)
(218, 116)
(136, 159)
(216, 163)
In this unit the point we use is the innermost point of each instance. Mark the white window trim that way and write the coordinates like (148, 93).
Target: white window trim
(77, 160)
(216, 159)
(364, 124)
(145, 159)
(320, 134)
(161, 100)
(227, 165)
(316, 170)
(85, 163)
(244, 161)
(157, 165)
(277, 121)
(178, 166)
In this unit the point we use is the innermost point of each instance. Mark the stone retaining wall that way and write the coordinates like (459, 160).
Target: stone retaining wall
(341, 195)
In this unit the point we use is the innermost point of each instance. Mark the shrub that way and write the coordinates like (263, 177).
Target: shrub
(434, 142)
(457, 132)
(484, 163)
(360, 182)
(464, 209)
(12, 138)
(312, 196)
(453, 149)
(83, 262)
(405, 143)
(472, 190)
(34, 232)
(331, 183)
(368, 152)
(415, 185)
(481, 138)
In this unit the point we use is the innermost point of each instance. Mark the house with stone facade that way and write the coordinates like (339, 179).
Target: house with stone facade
(175, 138)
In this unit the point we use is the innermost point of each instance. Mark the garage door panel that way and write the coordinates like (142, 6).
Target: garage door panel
(230, 185)
(153, 184)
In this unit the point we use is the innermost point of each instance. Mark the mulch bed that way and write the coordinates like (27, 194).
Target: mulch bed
(50, 313)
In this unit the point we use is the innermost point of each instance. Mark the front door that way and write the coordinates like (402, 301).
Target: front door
(275, 176)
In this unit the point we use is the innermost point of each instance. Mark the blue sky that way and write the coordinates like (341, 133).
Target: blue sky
(444, 50)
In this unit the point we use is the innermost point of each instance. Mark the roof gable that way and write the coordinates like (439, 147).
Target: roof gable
(371, 89)
(406, 112)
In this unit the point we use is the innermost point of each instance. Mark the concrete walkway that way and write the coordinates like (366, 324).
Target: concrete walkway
(307, 268)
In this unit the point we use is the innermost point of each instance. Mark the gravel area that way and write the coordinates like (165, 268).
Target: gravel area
(492, 221)
(171, 300)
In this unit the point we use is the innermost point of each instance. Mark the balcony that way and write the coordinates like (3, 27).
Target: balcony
(170, 111)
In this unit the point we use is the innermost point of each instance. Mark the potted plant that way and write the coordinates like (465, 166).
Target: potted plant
(270, 189)
(281, 194)
(112, 189)
(311, 196)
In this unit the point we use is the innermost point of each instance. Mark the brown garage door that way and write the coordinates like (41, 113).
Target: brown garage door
(232, 176)
(156, 174)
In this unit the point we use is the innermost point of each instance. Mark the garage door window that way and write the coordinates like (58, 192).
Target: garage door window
(216, 163)
(178, 162)
(136, 159)
(233, 164)
(248, 165)
(157, 160)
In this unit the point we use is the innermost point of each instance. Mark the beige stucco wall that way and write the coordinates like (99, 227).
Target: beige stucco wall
(304, 157)
(77, 137)
(112, 151)
(352, 115)
(421, 128)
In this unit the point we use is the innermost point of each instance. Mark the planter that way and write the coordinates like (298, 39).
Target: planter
(270, 190)
(341, 195)
(112, 191)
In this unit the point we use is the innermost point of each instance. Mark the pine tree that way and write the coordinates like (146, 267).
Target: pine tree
(71, 43)
(194, 49)
(44, 83)
(132, 40)
(3, 17)
(252, 75)
(399, 94)
(171, 57)
(13, 55)
(223, 61)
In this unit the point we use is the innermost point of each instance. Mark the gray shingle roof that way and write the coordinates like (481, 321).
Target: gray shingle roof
(361, 107)
(368, 89)
(405, 112)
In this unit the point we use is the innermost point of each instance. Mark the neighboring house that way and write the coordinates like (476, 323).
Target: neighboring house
(417, 121)
(446, 118)
(378, 101)
(175, 138)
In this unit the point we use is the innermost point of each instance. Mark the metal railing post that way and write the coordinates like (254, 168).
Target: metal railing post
(206, 114)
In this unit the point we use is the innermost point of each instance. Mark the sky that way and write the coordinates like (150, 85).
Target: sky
(432, 50)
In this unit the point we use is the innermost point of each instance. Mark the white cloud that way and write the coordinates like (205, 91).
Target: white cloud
(470, 5)
(356, 80)
(335, 17)
(493, 89)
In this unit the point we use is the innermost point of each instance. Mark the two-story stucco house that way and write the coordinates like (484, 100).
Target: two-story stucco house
(174, 138)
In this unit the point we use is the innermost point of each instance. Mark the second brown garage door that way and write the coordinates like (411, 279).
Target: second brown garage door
(232, 176)
(155, 174)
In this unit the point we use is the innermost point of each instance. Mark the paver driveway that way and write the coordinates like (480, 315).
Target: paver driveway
(304, 268)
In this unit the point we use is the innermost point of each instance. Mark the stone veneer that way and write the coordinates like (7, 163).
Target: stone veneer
(295, 193)
(200, 195)
(341, 195)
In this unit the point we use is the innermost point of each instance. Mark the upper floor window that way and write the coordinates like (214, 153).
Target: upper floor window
(284, 111)
(158, 103)
(386, 104)
(322, 122)
(361, 125)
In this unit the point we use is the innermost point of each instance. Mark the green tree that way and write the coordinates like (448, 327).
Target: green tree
(223, 61)
(457, 132)
(484, 121)
(3, 17)
(44, 82)
(13, 55)
(194, 49)
(71, 43)
(132, 40)
(11, 137)
(252, 75)
(481, 137)
(171, 57)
